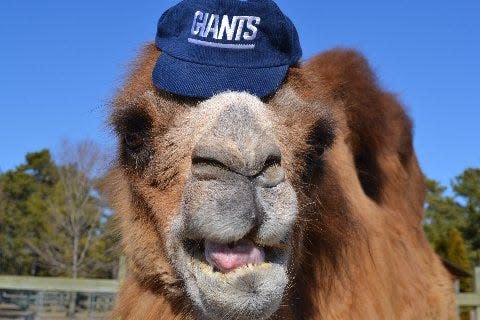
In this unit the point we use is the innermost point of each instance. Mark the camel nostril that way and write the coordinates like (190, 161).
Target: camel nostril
(273, 160)
(271, 176)
(199, 161)
(207, 168)
(229, 157)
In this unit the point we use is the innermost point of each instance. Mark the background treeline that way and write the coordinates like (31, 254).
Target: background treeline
(54, 220)
(452, 221)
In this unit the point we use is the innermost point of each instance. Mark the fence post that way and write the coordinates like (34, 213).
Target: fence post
(122, 268)
(477, 291)
(39, 297)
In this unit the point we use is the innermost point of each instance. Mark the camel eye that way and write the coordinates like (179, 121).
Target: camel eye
(133, 140)
(321, 138)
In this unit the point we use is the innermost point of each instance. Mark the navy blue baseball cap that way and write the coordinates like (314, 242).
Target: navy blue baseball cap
(211, 46)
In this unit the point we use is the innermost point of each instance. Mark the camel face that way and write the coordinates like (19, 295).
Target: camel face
(226, 165)
(230, 240)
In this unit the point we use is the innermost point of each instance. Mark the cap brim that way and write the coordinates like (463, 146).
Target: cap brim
(203, 81)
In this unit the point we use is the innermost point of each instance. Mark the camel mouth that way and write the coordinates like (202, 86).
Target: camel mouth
(245, 277)
(230, 257)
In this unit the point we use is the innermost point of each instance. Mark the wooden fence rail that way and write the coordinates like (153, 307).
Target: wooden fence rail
(472, 299)
(42, 284)
(58, 284)
(45, 298)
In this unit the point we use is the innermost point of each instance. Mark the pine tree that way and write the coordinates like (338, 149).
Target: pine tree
(24, 190)
(456, 253)
(467, 187)
(442, 214)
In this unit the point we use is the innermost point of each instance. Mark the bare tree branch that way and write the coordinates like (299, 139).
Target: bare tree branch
(46, 255)
(75, 209)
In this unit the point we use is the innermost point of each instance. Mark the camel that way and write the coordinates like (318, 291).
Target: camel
(306, 204)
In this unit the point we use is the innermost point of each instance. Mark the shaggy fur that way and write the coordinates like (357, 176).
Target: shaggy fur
(356, 245)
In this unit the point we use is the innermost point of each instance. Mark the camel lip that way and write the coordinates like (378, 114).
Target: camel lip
(195, 248)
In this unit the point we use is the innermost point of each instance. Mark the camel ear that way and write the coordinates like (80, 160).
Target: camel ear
(380, 132)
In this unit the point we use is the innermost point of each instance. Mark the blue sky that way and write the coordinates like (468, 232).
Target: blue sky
(60, 62)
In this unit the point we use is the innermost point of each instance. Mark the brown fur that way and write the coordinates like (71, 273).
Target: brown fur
(360, 252)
